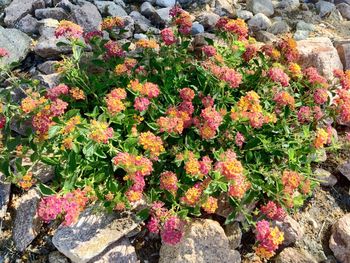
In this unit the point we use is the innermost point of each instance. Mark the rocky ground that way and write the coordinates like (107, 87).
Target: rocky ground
(320, 232)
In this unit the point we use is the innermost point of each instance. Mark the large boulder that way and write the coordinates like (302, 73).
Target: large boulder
(291, 229)
(16, 43)
(339, 242)
(91, 234)
(320, 53)
(26, 225)
(203, 241)
(20, 8)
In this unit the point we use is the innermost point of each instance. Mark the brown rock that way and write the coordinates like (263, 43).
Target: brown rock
(343, 48)
(320, 53)
(339, 242)
(294, 255)
(291, 229)
(203, 241)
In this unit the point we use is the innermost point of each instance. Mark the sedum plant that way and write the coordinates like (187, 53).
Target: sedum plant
(181, 123)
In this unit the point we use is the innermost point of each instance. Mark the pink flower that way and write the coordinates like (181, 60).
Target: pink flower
(58, 107)
(250, 52)
(113, 50)
(239, 140)
(278, 75)
(68, 29)
(272, 211)
(263, 230)
(313, 76)
(3, 53)
(141, 104)
(2, 122)
(172, 230)
(153, 225)
(209, 51)
(91, 35)
(168, 36)
(50, 207)
(320, 96)
(232, 77)
(304, 114)
(57, 91)
(187, 94)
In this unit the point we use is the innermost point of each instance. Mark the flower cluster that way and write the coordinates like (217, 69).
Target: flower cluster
(168, 36)
(273, 211)
(27, 181)
(226, 74)
(125, 68)
(100, 132)
(114, 101)
(168, 181)
(68, 29)
(269, 239)
(3, 53)
(151, 143)
(112, 22)
(113, 50)
(237, 27)
(69, 206)
(170, 226)
(279, 76)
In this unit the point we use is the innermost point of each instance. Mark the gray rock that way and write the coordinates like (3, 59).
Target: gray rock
(327, 179)
(279, 27)
(86, 15)
(244, 14)
(208, 20)
(91, 234)
(259, 22)
(294, 255)
(129, 28)
(344, 169)
(336, 2)
(147, 9)
(344, 10)
(234, 235)
(65, 4)
(291, 229)
(48, 67)
(140, 36)
(225, 8)
(46, 46)
(19, 9)
(141, 23)
(339, 242)
(28, 25)
(162, 17)
(57, 257)
(26, 224)
(165, 3)
(301, 34)
(302, 25)
(324, 8)
(57, 13)
(197, 28)
(4, 195)
(203, 241)
(4, 3)
(48, 81)
(120, 252)
(107, 8)
(289, 5)
(260, 6)
(16, 43)
(264, 36)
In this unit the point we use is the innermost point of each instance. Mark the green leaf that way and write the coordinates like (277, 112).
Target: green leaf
(143, 214)
(53, 131)
(45, 190)
(49, 161)
(231, 217)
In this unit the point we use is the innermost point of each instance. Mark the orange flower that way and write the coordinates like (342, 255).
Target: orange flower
(77, 94)
(321, 138)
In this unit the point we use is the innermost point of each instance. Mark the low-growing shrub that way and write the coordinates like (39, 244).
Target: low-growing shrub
(181, 123)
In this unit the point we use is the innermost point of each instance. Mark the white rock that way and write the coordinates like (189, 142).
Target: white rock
(244, 14)
(324, 8)
(320, 53)
(91, 235)
(165, 3)
(204, 241)
(289, 5)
